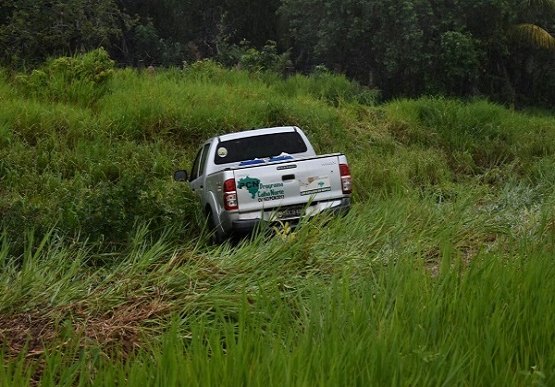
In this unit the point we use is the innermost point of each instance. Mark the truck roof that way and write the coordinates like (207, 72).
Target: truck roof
(257, 132)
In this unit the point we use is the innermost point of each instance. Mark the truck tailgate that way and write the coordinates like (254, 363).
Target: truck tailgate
(295, 182)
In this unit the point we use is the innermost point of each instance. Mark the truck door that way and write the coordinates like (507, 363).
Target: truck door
(197, 173)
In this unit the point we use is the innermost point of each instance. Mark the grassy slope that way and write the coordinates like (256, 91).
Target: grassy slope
(441, 274)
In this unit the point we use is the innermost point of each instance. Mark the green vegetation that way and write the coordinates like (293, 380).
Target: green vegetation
(440, 274)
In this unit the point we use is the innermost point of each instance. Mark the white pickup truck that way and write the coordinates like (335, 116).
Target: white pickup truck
(270, 174)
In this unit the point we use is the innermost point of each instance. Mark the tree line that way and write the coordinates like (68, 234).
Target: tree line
(501, 49)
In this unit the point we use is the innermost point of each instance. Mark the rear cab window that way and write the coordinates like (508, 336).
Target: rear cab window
(263, 146)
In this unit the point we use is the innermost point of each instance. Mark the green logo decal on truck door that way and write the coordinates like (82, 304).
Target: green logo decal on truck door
(250, 184)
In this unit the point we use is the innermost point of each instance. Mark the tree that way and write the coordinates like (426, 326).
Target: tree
(531, 72)
(532, 33)
(458, 63)
(502, 32)
(377, 42)
(169, 31)
(33, 30)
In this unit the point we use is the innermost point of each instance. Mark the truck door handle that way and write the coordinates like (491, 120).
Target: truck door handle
(288, 177)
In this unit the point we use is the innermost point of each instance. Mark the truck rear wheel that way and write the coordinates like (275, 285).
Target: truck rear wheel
(216, 234)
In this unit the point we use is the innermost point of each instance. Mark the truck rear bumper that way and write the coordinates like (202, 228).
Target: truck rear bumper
(245, 226)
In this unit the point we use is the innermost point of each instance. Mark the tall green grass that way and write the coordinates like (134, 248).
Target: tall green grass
(439, 275)
(489, 134)
(322, 306)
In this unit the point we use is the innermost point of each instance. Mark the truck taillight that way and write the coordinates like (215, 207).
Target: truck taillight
(346, 180)
(230, 195)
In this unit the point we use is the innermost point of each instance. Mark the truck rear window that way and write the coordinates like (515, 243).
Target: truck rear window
(267, 145)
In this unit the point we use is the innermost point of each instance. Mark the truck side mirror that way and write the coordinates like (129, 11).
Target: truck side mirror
(180, 175)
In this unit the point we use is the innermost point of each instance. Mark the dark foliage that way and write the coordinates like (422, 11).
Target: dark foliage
(404, 48)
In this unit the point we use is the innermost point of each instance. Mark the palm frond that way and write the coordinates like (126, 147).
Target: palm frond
(532, 34)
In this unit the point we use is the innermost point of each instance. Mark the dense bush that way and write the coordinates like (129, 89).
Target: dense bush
(265, 59)
(80, 79)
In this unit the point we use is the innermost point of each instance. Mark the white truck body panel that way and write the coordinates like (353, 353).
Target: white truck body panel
(288, 183)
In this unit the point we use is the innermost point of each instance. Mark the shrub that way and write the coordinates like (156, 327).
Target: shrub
(81, 79)
(266, 59)
(204, 70)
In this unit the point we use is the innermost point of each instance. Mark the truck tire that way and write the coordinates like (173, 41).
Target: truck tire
(216, 235)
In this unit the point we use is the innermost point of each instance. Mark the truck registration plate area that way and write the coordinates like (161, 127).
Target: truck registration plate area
(289, 212)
